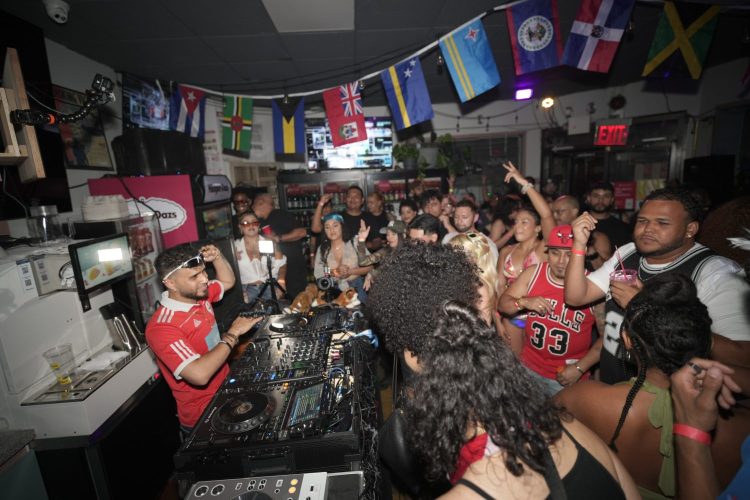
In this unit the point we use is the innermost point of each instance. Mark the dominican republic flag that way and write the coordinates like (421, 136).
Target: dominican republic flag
(187, 111)
(407, 93)
(346, 118)
(469, 59)
(596, 34)
(534, 32)
(289, 129)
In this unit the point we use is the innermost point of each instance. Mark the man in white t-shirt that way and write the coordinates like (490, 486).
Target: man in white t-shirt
(663, 242)
(465, 217)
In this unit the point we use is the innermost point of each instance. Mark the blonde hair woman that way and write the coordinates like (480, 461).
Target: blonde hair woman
(476, 247)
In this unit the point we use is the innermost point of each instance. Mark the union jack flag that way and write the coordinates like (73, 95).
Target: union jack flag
(351, 99)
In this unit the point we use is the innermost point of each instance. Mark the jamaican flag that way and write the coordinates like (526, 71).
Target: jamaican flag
(682, 38)
(289, 129)
(237, 125)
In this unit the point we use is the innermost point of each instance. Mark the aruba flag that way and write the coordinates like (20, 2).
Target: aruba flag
(289, 129)
(469, 59)
(407, 93)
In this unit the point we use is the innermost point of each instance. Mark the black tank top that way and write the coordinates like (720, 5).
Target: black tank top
(587, 479)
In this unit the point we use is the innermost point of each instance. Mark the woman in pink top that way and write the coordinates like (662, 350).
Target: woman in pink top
(531, 225)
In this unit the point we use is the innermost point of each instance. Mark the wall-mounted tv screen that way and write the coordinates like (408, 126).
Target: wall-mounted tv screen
(375, 152)
(145, 103)
(99, 263)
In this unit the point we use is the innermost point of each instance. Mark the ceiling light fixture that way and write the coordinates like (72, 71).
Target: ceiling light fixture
(548, 102)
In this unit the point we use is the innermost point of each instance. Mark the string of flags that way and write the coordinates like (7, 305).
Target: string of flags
(680, 44)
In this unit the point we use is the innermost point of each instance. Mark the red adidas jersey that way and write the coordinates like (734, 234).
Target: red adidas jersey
(552, 339)
(179, 333)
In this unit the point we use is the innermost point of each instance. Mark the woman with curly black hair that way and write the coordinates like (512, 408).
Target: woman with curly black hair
(473, 414)
(665, 325)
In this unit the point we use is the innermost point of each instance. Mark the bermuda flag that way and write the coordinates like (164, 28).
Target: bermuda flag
(534, 32)
(187, 111)
(596, 34)
(346, 118)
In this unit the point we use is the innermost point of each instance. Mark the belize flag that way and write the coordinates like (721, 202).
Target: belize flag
(596, 34)
(468, 56)
(407, 93)
(187, 111)
(534, 32)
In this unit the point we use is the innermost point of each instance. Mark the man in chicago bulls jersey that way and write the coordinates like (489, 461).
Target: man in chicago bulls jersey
(190, 351)
(556, 344)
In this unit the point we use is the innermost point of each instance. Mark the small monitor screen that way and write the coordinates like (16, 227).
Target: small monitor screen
(102, 261)
(306, 405)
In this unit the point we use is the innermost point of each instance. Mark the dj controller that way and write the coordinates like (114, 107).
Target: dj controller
(290, 404)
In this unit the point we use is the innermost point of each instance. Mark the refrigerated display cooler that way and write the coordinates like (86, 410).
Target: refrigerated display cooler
(299, 191)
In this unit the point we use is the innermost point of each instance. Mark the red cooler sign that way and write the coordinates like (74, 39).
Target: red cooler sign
(169, 195)
(624, 195)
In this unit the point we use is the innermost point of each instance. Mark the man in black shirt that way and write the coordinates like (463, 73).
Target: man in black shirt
(601, 199)
(352, 215)
(287, 233)
(376, 219)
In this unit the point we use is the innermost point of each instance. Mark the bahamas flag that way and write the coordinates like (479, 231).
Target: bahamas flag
(237, 125)
(469, 59)
(407, 93)
(289, 129)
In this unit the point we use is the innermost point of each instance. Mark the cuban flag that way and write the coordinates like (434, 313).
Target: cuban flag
(534, 32)
(596, 34)
(187, 111)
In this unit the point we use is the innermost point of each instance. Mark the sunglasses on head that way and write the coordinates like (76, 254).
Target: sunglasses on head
(249, 223)
(190, 263)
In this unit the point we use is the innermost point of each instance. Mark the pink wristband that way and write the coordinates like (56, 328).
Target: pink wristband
(689, 432)
(575, 251)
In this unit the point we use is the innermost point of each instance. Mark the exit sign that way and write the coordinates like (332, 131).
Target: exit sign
(612, 133)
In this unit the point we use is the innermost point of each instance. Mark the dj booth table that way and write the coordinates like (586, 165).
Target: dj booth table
(296, 414)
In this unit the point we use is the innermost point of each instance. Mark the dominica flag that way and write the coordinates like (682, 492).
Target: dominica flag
(682, 39)
(289, 129)
(237, 124)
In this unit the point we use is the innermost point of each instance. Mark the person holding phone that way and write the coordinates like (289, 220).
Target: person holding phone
(251, 260)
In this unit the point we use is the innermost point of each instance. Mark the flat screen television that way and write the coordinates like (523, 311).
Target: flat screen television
(145, 104)
(100, 263)
(375, 152)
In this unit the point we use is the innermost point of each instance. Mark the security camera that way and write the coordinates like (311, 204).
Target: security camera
(57, 10)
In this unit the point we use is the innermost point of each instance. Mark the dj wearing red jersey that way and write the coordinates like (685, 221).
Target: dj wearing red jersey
(557, 338)
(183, 334)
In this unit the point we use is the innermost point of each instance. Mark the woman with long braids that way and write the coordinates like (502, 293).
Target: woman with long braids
(473, 414)
(665, 325)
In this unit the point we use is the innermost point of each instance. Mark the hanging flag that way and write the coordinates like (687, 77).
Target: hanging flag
(187, 111)
(672, 39)
(534, 35)
(407, 93)
(346, 118)
(596, 34)
(469, 59)
(289, 129)
(237, 124)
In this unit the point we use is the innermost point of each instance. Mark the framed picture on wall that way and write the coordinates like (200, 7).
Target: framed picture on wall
(84, 142)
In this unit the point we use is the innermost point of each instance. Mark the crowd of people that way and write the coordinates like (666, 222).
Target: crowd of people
(546, 349)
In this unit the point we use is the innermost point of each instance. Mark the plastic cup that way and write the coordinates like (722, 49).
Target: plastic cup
(628, 276)
(60, 359)
(266, 230)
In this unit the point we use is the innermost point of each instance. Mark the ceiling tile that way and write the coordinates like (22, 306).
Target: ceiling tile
(392, 43)
(317, 15)
(320, 45)
(396, 14)
(222, 18)
(248, 48)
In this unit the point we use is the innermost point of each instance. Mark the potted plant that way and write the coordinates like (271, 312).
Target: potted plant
(450, 156)
(407, 154)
